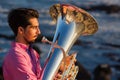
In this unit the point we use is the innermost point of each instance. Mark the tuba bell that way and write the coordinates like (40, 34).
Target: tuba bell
(71, 23)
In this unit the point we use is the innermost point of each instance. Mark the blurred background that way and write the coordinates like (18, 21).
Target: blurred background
(101, 48)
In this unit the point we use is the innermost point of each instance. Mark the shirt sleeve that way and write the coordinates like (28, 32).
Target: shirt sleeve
(21, 70)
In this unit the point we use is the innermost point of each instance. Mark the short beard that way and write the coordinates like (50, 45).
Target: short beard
(28, 42)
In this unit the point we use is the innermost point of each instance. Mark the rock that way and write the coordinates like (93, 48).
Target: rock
(117, 67)
(1, 74)
(102, 72)
(107, 8)
(112, 56)
(83, 74)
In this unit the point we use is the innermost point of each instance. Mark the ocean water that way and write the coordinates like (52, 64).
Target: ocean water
(102, 47)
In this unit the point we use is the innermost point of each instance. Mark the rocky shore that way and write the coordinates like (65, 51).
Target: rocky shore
(109, 9)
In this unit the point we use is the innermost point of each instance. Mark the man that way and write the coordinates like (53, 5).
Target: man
(22, 62)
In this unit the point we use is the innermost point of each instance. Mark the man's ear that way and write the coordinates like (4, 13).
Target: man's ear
(20, 30)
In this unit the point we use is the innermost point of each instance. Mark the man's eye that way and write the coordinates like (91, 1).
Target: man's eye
(34, 27)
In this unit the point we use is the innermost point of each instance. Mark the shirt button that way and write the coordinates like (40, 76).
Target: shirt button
(28, 77)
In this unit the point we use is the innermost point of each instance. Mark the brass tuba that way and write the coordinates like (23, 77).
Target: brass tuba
(71, 23)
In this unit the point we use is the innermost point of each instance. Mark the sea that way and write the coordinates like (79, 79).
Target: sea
(103, 47)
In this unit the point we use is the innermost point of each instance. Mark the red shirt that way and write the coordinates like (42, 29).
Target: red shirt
(20, 65)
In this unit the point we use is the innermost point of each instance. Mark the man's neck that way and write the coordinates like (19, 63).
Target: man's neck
(21, 40)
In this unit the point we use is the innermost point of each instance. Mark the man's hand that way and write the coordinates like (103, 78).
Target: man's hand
(69, 60)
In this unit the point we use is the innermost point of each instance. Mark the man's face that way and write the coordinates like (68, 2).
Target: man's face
(31, 31)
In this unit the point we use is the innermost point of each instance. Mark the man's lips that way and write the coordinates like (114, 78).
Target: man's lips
(35, 36)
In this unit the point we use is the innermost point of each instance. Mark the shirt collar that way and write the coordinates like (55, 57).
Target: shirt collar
(21, 45)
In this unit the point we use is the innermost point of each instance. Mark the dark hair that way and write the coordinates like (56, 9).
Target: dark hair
(20, 17)
(101, 72)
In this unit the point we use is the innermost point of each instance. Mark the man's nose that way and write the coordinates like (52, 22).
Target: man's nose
(38, 31)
